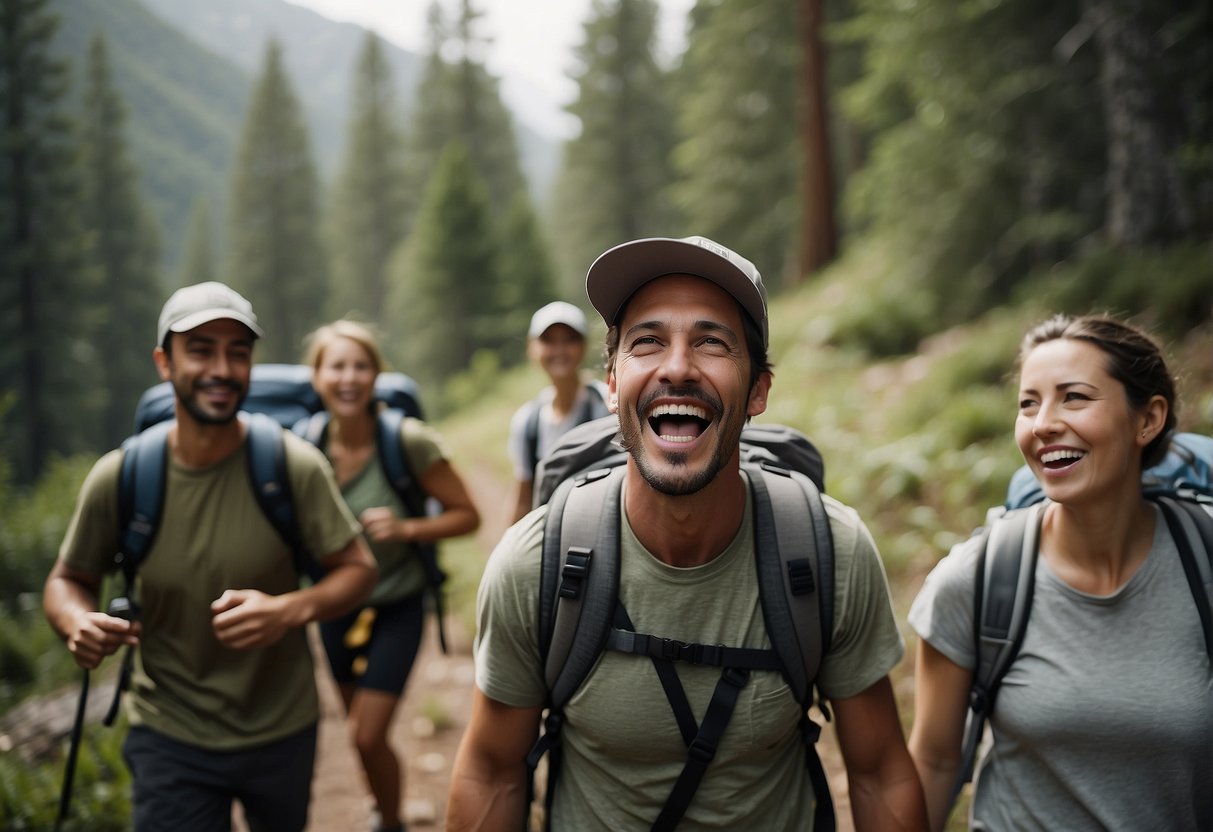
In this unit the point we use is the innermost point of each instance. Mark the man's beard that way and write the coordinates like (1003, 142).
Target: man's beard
(682, 481)
(189, 400)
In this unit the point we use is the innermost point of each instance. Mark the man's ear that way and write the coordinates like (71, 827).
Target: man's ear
(612, 393)
(758, 395)
(163, 363)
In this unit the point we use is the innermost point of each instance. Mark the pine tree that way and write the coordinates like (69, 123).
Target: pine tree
(275, 251)
(740, 160)
(613, 179)
(198, 253)
(125, 247)
(527, 279)
(437, 296)
(459, 100)
(371, 199)
(45, 367)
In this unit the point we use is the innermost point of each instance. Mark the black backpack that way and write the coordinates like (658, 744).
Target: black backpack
(580, 615)
(1182, 487)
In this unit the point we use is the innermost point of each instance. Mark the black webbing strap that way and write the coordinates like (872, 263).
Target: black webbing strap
(1186, 529)
(668, 649)
(703, 748)
(701, 739)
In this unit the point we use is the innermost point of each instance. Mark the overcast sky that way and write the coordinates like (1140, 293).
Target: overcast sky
(532, 51)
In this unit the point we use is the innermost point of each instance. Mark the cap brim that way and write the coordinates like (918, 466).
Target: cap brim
(207, 315)
(619, 272)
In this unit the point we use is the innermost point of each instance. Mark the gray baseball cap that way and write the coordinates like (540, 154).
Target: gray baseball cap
(619, 272)
(193, 306)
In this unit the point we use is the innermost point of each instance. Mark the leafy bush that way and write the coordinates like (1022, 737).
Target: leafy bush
(29, 792)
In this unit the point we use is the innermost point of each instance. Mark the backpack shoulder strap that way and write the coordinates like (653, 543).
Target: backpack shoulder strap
(1191, 526)
(266, 448)
(530, 434)
(1002, 602)
(313, 427)
(794, 555)
(579, 578)
(400, 476)
(142, 480)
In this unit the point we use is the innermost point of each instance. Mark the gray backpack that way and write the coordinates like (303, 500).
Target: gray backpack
(580, 614)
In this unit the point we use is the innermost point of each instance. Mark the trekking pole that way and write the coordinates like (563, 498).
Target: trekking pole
(65, 795)
(121, 607)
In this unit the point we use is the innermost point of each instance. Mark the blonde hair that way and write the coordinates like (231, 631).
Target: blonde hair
(362, 334)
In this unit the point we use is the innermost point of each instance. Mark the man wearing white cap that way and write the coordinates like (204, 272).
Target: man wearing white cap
(223, 702)
(686, 368)
(556, 343)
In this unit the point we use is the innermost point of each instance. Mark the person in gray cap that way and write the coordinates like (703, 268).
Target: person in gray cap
(556, 344)
(223, 702)
(687, 367)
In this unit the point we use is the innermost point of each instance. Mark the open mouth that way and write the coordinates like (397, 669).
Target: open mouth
(1060, 460)
(678, 423)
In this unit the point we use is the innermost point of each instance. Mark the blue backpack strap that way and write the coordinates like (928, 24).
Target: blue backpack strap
(142, 480)
(265, 446)
(1002, 602)
(1191, 526)
(400, 477)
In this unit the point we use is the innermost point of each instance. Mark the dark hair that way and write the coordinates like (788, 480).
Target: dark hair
(759, 362)
(1132, 356)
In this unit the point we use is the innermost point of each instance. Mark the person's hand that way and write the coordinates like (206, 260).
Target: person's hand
(247, 618)
(381, 525)
(95, 635)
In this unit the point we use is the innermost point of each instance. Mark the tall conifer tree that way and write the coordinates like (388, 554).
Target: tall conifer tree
(739, 163)
(44, 276)
(612, 184)
(275, 251)
(198, 257)
(124, 246)
(527, 279)
(370, 201)
(458, 100)
(440, 310)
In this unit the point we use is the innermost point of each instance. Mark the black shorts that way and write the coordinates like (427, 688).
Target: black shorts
(389, 653)
(190, 789)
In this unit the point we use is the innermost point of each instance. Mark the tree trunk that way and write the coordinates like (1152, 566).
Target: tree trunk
(1145, 199)
(818, 234)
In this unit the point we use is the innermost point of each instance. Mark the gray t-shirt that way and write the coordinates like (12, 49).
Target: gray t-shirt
(622, 748)
(1105, 720)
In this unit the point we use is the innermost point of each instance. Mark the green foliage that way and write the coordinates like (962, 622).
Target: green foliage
(45, 281)
(1170, 290)
(527, 281)
(370, 206)
(198, 261)
(29, 793)
(738, 158)
(125, 246)
(613, 182)
(445, 281)
(275, 254)
(458, 101)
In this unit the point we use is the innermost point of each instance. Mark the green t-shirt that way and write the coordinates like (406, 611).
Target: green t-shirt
(401, 572)
(214, 537)
(622, 748)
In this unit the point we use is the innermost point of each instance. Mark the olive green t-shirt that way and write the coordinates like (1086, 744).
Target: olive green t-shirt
(401, 572)
(622, 748)
(214, 537)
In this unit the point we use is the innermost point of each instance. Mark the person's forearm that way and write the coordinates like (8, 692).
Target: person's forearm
(341, 589)
(452, 522)
(937, 781)
(892, 804)
(485, 803)
(63, 601)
